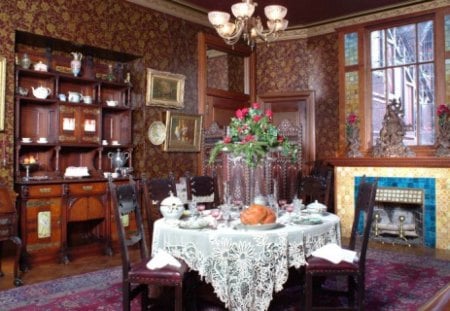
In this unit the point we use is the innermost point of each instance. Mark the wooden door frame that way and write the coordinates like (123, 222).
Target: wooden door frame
(205, 40)
(309, 150)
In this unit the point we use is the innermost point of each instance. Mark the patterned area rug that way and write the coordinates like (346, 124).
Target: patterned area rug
(393, 282)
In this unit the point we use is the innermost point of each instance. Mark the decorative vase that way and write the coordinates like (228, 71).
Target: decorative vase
(443, 140)
(75, 64)
(25, 62)
(353, 142)
(247, 182)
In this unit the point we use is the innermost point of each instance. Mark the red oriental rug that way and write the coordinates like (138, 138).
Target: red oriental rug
(394, 281)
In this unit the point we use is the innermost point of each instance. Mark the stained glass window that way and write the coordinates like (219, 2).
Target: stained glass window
(447, 32)
(351, 91)
(351, 48)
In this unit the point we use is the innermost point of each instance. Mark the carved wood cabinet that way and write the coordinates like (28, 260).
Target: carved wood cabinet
(73, 127)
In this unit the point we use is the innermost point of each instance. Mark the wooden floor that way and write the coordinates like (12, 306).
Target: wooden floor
(50, 271)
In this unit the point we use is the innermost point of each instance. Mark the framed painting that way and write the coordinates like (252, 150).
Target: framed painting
(183, 132)
(165, 89)
(2, 92)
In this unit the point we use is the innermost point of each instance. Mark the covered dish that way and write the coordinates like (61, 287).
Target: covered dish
(171, 207)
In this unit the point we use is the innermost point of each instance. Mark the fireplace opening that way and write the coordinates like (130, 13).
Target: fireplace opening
(398, 216)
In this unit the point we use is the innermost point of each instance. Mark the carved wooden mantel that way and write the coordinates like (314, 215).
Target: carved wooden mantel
(391, 162)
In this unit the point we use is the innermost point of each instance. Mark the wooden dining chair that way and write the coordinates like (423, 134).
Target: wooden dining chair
(155, 190)
(353, 272)
(8, 230)
(203, 189)
(136, 277)
(315, 187)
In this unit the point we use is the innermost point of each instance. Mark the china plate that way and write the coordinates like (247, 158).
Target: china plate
(157, 133)
(308, 221)
(193, 224)
(259, 227)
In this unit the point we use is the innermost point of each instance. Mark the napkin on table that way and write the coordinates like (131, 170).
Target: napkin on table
(162, 259)
(334, 253)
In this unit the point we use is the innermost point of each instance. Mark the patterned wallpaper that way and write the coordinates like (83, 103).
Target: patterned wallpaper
(164, 42)
(305, 64)
(169, 44)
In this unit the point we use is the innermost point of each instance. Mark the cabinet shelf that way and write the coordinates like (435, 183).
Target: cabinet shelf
(74, 130)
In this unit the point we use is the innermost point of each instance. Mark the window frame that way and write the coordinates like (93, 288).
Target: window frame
(363, 68)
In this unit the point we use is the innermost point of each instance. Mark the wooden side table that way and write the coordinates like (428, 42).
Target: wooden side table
(8, 228)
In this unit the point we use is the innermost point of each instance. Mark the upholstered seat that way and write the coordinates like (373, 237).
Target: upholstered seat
(166, 276)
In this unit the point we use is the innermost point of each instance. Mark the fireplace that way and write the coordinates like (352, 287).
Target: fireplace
(401, 195)
(398, 216)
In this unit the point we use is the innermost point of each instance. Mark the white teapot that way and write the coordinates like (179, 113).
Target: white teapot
(41, 92)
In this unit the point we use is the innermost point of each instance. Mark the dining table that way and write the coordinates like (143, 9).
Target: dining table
(245, 264)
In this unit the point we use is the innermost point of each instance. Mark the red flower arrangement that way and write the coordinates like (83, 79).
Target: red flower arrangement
(252, 134)
(351, 122)
(443, 112)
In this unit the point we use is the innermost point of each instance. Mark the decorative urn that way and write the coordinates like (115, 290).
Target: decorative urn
(118, 159)
(171, 207)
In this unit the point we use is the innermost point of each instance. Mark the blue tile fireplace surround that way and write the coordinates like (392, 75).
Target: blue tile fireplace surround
(429, 208)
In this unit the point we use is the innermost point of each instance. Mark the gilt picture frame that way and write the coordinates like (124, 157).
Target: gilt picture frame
(183, 132)
(2, 91)
(165, 89)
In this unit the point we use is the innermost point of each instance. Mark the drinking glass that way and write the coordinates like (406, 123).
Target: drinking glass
(192, 205)
(200, 208)
(289, 210)
(226, 209)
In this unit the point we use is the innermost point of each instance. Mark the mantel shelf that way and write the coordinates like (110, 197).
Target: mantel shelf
(391, 162)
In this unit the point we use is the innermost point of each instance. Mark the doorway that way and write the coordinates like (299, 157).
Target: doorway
(298, 109)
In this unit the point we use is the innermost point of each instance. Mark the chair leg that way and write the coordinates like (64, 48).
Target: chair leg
(361, 292)
(126, 303)
(144, 298)
(1, 255)
(17, 280)
(178, 298)
(308, 291)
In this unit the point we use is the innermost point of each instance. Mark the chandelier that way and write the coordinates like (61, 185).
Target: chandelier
(247, 26)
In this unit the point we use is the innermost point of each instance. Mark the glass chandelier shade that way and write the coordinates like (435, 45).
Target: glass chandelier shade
(247, 26)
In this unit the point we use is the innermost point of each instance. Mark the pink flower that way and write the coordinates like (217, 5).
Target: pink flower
(352, 118)
(249, 138)
(239, 114)
(269, 113)
(227, 140)
(280, 138)
(244, 111)
(256, 118)
(255, 105)
(443, 110)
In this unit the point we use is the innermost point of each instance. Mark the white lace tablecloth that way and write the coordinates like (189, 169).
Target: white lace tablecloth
(245, 267)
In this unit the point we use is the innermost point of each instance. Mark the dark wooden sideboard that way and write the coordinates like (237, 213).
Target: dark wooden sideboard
(64, 143)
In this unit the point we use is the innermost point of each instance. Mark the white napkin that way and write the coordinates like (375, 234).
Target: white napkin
(162, 259)
(335, 254)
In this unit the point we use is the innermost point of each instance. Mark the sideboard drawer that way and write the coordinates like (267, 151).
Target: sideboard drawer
(7, 225)
(87, 188)
(7, 219)
(45, 191)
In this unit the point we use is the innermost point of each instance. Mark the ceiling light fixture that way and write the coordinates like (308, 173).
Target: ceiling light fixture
(247, 26)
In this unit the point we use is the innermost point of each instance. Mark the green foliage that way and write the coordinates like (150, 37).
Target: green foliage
(252, 135)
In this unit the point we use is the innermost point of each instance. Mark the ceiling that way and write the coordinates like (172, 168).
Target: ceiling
(305, 13)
